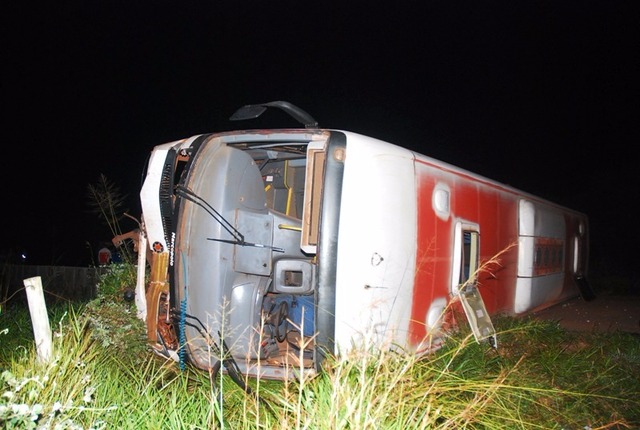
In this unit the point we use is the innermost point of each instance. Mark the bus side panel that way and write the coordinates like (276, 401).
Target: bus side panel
(498, 219)
(576, 258)
(434, 242)
(542, 252)
(376, 251)
(577, 261)
(474, 201)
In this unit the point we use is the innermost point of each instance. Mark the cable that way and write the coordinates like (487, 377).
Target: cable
(183, 337)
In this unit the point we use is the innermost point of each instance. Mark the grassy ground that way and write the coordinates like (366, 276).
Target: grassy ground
(102, 376)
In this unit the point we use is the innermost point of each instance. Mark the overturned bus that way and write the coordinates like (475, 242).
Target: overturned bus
(273, 248)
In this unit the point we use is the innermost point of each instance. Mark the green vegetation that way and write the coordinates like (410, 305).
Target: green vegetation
(103, 376)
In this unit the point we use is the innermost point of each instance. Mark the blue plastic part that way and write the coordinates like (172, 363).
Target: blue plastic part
(298, 304)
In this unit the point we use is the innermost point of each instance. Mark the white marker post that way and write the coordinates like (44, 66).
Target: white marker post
(39, 318)
(141, 298)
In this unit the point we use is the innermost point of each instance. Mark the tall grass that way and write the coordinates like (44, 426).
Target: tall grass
(102, 376)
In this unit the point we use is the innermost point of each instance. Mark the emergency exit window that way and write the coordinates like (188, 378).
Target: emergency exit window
(466, 256)
(469, 257)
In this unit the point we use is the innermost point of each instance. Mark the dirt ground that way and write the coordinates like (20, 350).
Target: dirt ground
(605, 313)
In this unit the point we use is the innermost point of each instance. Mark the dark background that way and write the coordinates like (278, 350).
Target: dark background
(543, 96)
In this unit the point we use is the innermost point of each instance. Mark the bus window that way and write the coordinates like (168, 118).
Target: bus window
(466, 256)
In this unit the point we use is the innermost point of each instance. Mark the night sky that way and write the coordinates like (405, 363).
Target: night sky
(543, 96)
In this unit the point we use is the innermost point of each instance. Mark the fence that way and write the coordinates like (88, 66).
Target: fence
(59, 282)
